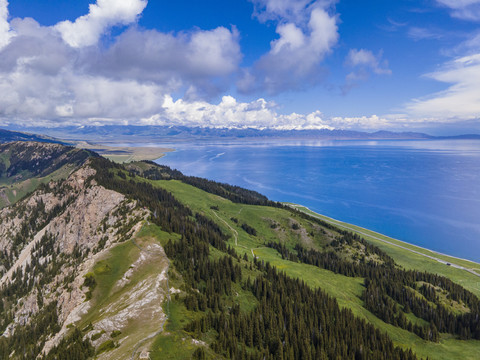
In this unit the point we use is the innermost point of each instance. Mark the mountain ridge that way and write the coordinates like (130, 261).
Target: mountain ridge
(130, 133)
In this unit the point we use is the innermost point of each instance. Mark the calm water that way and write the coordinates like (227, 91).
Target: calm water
(423, 192)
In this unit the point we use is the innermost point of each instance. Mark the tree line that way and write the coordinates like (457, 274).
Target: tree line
(391, 292)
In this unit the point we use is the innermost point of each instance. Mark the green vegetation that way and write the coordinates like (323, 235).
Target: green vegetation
(175, 343)
(273, 223)
(26, 166)
(411, 260)
(106, 273)
(106, 346)
(214, 277)
(253, 279)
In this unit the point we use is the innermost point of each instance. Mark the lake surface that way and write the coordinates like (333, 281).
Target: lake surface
(423, 192)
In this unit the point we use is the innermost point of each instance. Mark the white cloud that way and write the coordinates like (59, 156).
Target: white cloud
(45, 80)
(229, 113)
(363, 62)
(67, 98)
(197, 59)
(366, 59)
(463, 9)
(460, 101)
(419, 33)
(295, 57)
(5, 32)
(296, 11)
(87, 29)
(373, 122)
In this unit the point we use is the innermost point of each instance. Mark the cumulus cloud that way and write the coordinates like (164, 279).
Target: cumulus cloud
(372, 122)
(229, 113)
(43, 78)
(461, 100)
(260, 114)
(463, 9)
(294, 58)
(194, 58)
(87, 29)
(5, 32)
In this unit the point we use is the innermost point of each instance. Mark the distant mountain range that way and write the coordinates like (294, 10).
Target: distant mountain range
(130, 133)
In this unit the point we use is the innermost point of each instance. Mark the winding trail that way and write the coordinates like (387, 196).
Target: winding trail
(235, 235)
(300, 207)
(235, 232)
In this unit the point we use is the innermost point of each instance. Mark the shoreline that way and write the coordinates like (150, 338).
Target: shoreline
(377, 236)
(125, 154)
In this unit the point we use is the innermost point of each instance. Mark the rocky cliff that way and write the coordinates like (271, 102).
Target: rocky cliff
(49, 244)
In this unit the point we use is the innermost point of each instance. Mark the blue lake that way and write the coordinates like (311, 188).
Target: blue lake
(423, 192)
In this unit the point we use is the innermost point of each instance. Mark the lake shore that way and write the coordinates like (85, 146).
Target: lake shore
(125, 154)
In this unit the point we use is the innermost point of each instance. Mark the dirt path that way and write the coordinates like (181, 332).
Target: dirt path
(386, 241)
(235, 232)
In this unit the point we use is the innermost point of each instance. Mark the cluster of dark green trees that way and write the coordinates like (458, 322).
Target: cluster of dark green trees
(28, 340)
(292, 321)
(386, 289)
(39, 160)
(72, 347)
(391, 292)
(249, 230)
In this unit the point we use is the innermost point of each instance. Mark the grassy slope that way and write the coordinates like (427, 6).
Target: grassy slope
(410, 260)
(107, 299)
(346, 290)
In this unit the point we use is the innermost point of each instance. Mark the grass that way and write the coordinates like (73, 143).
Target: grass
(346, 290)
(107, 272)
(175, 343)
(108, 299)
(410, 260)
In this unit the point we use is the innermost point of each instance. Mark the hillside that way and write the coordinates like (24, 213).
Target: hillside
(7, 136)
(117, 261)
(26, 165)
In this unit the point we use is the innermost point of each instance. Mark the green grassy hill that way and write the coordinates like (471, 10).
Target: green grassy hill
(290, 228)
(273, 224)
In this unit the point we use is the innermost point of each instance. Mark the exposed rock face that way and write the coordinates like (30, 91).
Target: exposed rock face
(71, 224)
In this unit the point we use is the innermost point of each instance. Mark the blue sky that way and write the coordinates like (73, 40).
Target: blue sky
(303, 64)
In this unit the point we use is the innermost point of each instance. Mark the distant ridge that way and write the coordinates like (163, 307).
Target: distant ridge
(135, 133)
(461, 137)
(7, 136)
(175, 133)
